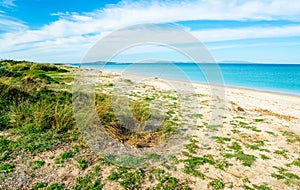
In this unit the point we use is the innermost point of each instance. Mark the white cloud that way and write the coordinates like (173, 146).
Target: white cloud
(10, 24)
(7, 3)
(223, 34)
(234, 46)
(71, 30)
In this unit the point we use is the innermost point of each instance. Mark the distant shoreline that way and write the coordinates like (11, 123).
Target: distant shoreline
(295, 94)
(206, 84)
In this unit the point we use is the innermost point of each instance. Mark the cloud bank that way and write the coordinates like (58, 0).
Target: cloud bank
(74, 33)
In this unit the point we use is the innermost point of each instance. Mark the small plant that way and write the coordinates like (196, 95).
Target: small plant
(6, 168)
(173, 159)
(89, 181)
(170, 112)
(288, 177)
(217, 184)
(165, 181)
(152, 156)
(271, 133)
(264, 157)
(128, 180)
(39, 185)
(192, 147)
(296, 162)
(82, 163)
(277, 176)
(292, 137)
(56, 186)
(5, 148)
(141, 113)
(191, 164)
(132, 180)
(258, 120)
(38, 164)
(262, 187)
(193, 171)
(235, 146)
(253, 147)
(223, 165)
(221, 140)
(65, 156)
(113, 176)
(246, 159)
(281, 152)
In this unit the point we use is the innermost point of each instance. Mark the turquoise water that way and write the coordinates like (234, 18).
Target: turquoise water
(282, 78)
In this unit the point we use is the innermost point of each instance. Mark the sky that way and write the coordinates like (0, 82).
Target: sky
(260, 31)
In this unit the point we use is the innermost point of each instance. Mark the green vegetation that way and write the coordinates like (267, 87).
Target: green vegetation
(63, 157)
(296, 162)
(244, 125)
(217, 184)
(6, 168)
(141, 113)
(127, 179)
(89, 181)
(262, 187)
(281, 152)
(135, 132)
(38, 164)
(191, 164)
(33, 110)
(291, 136)
(192, 147)
(221, 140)
(235, 146)
(56, 186)
(41, 117)
(246, 159)
(271, 133)
(288, 177)
(166, 181)
(256, 145)
(264, 157)
(82, 163)
(39, 185)
(258, 120)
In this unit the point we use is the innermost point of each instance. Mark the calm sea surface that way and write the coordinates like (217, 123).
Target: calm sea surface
(283, 78)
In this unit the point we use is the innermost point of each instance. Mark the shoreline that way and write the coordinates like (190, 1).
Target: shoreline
(272, 91)
(208, 85)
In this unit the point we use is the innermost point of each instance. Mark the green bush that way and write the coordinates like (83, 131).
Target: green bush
(44, 67)
(217, 184)
(9, 97)
(6, 168)
(52, 112)
(82, 163)
(47, 79)
(38, 164)
(21, 67)
(6, 73)
(65, 156)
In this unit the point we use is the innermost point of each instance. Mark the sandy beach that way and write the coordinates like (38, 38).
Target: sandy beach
(257, 123)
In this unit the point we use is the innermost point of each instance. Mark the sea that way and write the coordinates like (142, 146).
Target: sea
(278, 78)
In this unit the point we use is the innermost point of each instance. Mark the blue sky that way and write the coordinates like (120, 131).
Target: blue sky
(64, 30)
